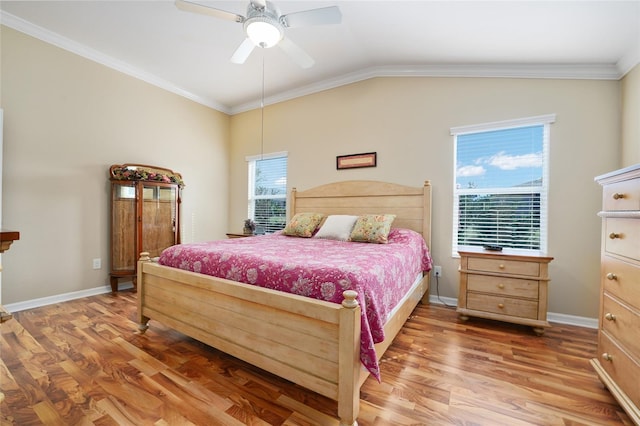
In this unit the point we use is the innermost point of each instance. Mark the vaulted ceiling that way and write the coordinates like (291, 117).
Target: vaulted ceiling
(189, 53)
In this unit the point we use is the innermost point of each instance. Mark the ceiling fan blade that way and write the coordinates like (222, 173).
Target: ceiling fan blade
(243, 51)
(322, 16)
(188, 6)
(298, 55)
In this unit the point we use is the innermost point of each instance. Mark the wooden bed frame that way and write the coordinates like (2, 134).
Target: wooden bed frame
(313, 343)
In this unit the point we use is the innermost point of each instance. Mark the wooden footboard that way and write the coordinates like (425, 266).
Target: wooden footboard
(313, 343)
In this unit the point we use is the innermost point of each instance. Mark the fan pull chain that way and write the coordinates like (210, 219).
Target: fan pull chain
(262, 112)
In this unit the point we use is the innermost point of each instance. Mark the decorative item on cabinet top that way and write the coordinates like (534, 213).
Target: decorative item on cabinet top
(143, 172)
(249, 227)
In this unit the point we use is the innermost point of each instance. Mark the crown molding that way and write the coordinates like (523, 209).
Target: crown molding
(55, 39)
(550, 71)
(546, 71)
(629, 60)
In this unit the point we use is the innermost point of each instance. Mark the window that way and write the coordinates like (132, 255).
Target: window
(268, 191)
(501, 184)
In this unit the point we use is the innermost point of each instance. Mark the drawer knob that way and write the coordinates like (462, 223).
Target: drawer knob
(618, 196)
(607, 357)
(501, 286)
(501, 266)
(611, 276)
(500, 305)
(614, 235)
(609, 316)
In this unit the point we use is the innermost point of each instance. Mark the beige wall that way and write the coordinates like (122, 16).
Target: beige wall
(407, 121)
(631, 118)
(66, 120)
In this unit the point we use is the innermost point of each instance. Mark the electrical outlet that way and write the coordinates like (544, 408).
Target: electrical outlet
(437, 271)
(97, 263)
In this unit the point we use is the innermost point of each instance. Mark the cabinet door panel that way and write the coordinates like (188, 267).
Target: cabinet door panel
(158, 218)
(123, 228)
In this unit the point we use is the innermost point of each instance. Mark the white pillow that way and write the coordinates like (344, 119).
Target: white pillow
(337, 227)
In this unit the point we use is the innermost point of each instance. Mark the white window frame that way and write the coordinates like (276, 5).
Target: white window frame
(543, 120)
(251, 163)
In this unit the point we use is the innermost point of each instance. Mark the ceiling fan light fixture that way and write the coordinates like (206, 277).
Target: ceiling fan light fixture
(264, 31)
(264, 26)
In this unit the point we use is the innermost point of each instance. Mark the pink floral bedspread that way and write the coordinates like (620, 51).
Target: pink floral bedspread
(381, 274)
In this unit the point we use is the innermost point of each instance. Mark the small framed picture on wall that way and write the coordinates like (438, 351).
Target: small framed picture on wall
(354, 161)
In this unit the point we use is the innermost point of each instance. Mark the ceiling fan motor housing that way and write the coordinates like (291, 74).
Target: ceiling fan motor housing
(263, 25)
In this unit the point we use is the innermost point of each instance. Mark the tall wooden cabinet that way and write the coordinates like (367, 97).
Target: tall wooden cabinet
(618, 361)
(145, 215)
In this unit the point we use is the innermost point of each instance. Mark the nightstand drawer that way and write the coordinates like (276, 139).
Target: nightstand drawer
(621, 279)
(622, 237)
(620, 367)
(503, 286)
(503, 305)
(623, 195)
(621, 323)
(504, 266)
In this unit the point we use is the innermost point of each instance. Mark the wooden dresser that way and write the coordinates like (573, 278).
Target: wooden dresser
(507, 286)
(618, 361)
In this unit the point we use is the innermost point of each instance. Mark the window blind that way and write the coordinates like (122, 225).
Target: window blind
(501, 184)
(268, 192)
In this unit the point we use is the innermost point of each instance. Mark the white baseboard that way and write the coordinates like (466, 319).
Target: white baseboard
(573, 320)
(64, 297)
(448, 301)
(551, 316)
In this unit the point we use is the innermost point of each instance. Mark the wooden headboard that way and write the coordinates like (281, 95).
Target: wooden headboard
(411, 205)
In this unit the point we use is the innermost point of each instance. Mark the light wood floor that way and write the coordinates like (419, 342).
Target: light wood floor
(82, 363)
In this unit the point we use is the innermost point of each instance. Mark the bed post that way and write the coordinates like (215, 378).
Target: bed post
(143, 322)
(292, 202)
(426, 205)
(426, 232)
(349, 360)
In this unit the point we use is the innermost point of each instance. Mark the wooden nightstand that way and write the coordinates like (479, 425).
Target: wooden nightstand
(507, 286)
(232, 235)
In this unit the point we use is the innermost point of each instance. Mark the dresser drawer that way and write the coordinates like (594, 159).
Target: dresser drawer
(622, 237)
(623, 195)
(620, 366)
(503, 286)
(504, 266)
(621, 279)
(503, 305)
(622, 323)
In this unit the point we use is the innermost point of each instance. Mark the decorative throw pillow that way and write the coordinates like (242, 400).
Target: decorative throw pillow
(372, 228)
(303, 225)
(337, 227)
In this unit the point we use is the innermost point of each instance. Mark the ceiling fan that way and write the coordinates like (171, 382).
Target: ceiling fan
(264, 26)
